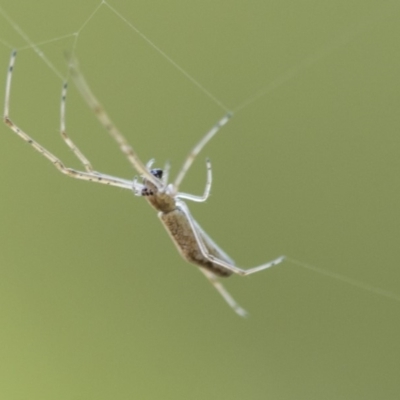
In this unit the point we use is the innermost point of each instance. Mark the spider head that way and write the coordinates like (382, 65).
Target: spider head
(149, 189)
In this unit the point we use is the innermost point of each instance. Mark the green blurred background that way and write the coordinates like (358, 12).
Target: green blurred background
(95, 301)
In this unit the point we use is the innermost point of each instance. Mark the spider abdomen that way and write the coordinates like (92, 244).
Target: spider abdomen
(180, 230)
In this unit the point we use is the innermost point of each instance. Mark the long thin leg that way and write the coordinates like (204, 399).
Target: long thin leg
(222, 263)
(196, 150)
(224, 293)
(165, 176)
(105, 120)
(85, 162)
(207, 189)
(87, 176)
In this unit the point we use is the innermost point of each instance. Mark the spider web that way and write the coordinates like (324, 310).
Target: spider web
(104, 7)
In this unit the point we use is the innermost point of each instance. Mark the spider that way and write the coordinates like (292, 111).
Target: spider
(194, 245)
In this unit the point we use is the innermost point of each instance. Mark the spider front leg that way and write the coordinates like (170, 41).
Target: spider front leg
(63, 131)
(108, 124)
(89, 175)
(197, 149)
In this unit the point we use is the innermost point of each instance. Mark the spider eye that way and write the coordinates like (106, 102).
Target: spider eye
(157, 172)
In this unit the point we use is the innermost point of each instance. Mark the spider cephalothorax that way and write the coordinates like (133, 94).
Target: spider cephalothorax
(149, 188)
(160, 198)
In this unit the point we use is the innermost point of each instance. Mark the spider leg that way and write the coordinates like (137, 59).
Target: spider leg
(207, 188)
(165, 176)
(218, 261)
(85, 162)
(105, 120)
(224, 293)
(196, 150)
(150, 163)
(90, 175)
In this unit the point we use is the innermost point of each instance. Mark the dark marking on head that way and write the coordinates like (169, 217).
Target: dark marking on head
(147, 192)
(157, 172)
